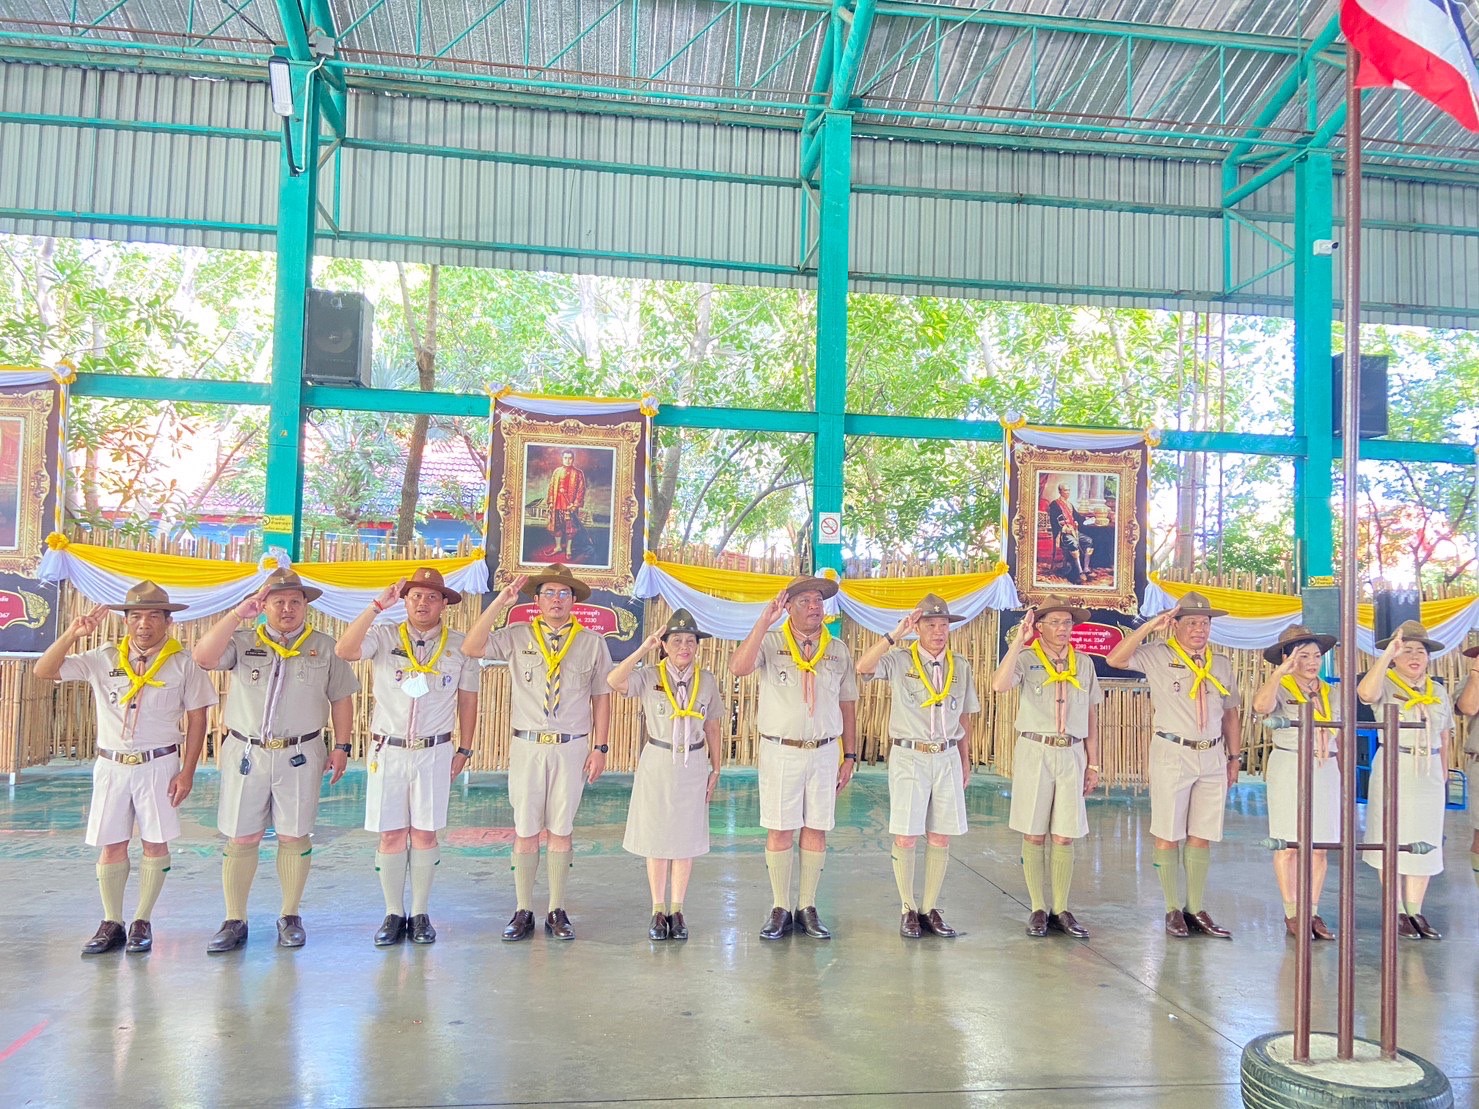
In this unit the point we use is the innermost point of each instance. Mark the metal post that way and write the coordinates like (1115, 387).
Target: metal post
(1391, 891)
(831, 372)
(1304, 880)
(297, 203)
(1350, 408)
(1314, 307)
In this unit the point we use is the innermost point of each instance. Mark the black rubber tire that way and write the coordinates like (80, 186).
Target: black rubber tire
(1270, 1084)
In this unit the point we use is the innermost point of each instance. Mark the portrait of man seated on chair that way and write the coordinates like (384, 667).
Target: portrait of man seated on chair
(1076, 514)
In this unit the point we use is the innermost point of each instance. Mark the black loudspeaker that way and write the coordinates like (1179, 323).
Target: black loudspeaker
(337, 338)
(1393, 606)
(1373, 415)
(1322, 609)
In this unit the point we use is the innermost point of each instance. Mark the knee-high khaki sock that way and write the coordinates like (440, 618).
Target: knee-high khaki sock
(936, 859)
(559, 871)
(238, 869)
(904, 876)
(1168, 869)
(294, 859)
(778, 863)
(1034, 867)
(112, 877)
(424, 861)
(151, 880)
(1198, 862)
(392, 870)
(1062, 864)
(811, 877)
(525, 865)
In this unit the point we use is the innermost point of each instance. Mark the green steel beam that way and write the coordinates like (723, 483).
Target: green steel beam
(295, 29)
(737, 419)
(1288, 88)
(833, 235)
(1314, 311)
(844, 77)
(399, 401)
(1279, 166)
(186, 390)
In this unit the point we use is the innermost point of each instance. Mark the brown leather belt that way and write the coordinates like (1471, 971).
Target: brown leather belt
(548, 737)
(136, 758)
(419, 743)
(1194, 744)
(1052, 739)
(276, 743)
(669, 746)
(804, 744)
(930, 747)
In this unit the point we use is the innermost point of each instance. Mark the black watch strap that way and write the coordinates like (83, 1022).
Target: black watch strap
(602, 747)
(345, 747)
(465, 752)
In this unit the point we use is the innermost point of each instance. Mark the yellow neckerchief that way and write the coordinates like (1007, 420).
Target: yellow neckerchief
(1322, 708)
(1203, 673)
(430, 665)
(937, 696)
(1414, 698)
(806, 666)
(662, 680)
(281, 651)
(552, 659)
(1068, 674)
(137, 681)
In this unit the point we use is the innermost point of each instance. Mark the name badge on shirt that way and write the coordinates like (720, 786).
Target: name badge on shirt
(255, 652)
(116, 674)
(398, 652)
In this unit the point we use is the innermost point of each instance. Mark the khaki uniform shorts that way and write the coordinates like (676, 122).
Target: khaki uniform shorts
(545, 783)
(123, 796)
(1048, 790)
(926, 793)
(275, 792)
(410, 788)
(798, 787)
(1188, 790)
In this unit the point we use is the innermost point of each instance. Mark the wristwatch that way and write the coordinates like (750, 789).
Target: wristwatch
(465, 752)
(849, 756)
(346, 748)
(603, 748)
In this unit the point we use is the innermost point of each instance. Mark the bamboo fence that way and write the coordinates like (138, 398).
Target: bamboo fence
(52, 722)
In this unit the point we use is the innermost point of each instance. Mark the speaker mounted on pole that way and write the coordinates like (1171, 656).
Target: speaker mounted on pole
(337, 338)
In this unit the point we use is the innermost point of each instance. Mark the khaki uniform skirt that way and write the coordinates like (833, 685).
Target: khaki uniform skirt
(669, 814)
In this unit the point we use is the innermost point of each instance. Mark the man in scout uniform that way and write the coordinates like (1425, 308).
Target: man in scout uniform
(286, 685)
(561, 715)
(808, 703)
(929, 760)
(1468, 704)
(1193, 753)
(1056, 759)
(142, 687)
(426, 690)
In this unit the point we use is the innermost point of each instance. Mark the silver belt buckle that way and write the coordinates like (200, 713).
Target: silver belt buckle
(549, 737)
(934, 748)
(131, 758)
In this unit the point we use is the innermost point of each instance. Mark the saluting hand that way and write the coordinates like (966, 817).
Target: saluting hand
(253, 606)
(88, 622)
(508, 596)
(1164, 620)
(391, 594)
(1394, 646)
(1285, 667)
(909, 622)
(650, 644)
(1028, 627)
(774, 610)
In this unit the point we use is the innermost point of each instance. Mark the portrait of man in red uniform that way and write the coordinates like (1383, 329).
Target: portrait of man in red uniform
(568, 504)
(564, 501)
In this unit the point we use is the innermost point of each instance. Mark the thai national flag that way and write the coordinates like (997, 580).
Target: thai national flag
(1418, 45)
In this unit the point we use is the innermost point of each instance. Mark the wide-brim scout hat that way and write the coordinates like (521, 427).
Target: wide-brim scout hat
(1194, 604)
(427, 578)
(934, 605)
(806, 583)
(1412, 631)
(683, 623)
(283, 579)
(1061, 604)
(557, 573)
(147, 595)
(1293, 636)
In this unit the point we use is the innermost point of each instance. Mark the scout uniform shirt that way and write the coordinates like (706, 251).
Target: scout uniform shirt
(153, 717)
(434, 713)
(908, 718)
(783, 712)
(1439, 717)
(1056, 707)
(582, 674)
(1174, 708)
(273, 697)
(657, 710)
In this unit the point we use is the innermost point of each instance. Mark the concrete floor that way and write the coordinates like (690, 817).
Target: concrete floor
(1130, 1017)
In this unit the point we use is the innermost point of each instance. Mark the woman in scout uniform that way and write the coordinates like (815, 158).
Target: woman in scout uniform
(426, 703)
(286, 683)
(668, 822)
(1468, 704)
(1400, 677)
(929, 758)
(1194, 752)
(1295, 681)
(142, 687)
(1056, 759)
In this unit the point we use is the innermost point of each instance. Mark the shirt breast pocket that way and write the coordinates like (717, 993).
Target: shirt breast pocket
(313, 672)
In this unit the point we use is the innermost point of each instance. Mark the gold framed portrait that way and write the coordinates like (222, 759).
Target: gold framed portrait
(26, 484)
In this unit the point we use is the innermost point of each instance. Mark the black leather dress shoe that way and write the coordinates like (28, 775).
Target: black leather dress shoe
(909, 925)
(677, 926)
(140, 938)
(1406, 929)
(231, 935)
(1064, 922)
(778, 926)
(557, 925)
(1176, 924)
(519, 927)
(392, 931)
(419, 926)
(109, 937)
(1202, 922)
(658, 929)
(290, 931)
(1037, 923)
(808, 921)
(935, 924)
(1424, 929)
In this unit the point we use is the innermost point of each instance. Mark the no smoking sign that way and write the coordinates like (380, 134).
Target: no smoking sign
(829, 527)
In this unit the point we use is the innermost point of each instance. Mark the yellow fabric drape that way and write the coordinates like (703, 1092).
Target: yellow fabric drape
(732, 585)
(378, 574)
(1237, 602)
(1431, 613)
(167, 570)
(906, 592)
